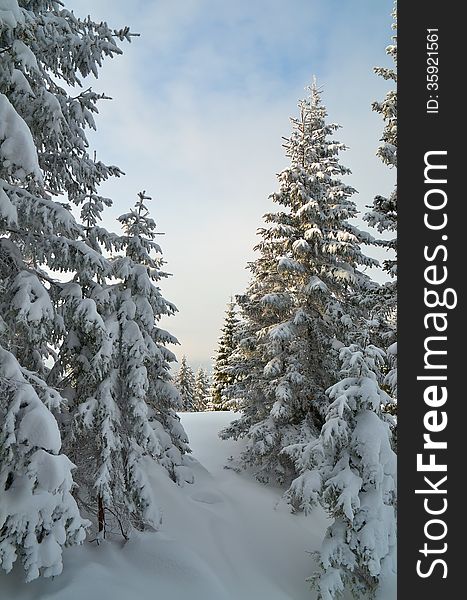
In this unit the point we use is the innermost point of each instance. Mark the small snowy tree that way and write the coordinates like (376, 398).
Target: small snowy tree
(38, 514)
(297, 310)
(185, 384)
(201, 396)
(222, 377)
(351, 470)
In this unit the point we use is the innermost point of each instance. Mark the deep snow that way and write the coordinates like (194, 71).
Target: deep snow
(226, 537)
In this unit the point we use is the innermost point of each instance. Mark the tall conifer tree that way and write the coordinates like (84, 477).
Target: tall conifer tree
(296, 311)
(43, 153)
(383, 213)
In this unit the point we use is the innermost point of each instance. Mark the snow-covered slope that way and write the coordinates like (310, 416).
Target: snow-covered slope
(226, 537)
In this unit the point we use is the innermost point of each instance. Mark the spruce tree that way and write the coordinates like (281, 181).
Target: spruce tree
(74, 322)
(123, 403)
(383, 213)
(185, 384)
(38, 514)
(351, 470)
(141, 271)
(297, 309)
(44, 153)
(201, 396)
(222, 378)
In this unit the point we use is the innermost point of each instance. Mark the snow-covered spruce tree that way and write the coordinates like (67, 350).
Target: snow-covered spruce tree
(42, 136)
(44, 45)
(201, 396)
(123, 402)
(222, 377)
(296, 312)
(351, 470)
(86, 372)
(38, 514)
(47, 47)
(185, 384)
(43, 153)
(140, 271)
(383, 213)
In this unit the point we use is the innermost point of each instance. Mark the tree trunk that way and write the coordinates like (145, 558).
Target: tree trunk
(101, 515)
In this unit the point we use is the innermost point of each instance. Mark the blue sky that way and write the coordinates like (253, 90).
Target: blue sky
(201, 101)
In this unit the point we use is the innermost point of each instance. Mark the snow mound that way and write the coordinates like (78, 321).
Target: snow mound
(223, 538)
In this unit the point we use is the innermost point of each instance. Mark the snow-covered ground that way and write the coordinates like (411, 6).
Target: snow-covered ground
(226, 537)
